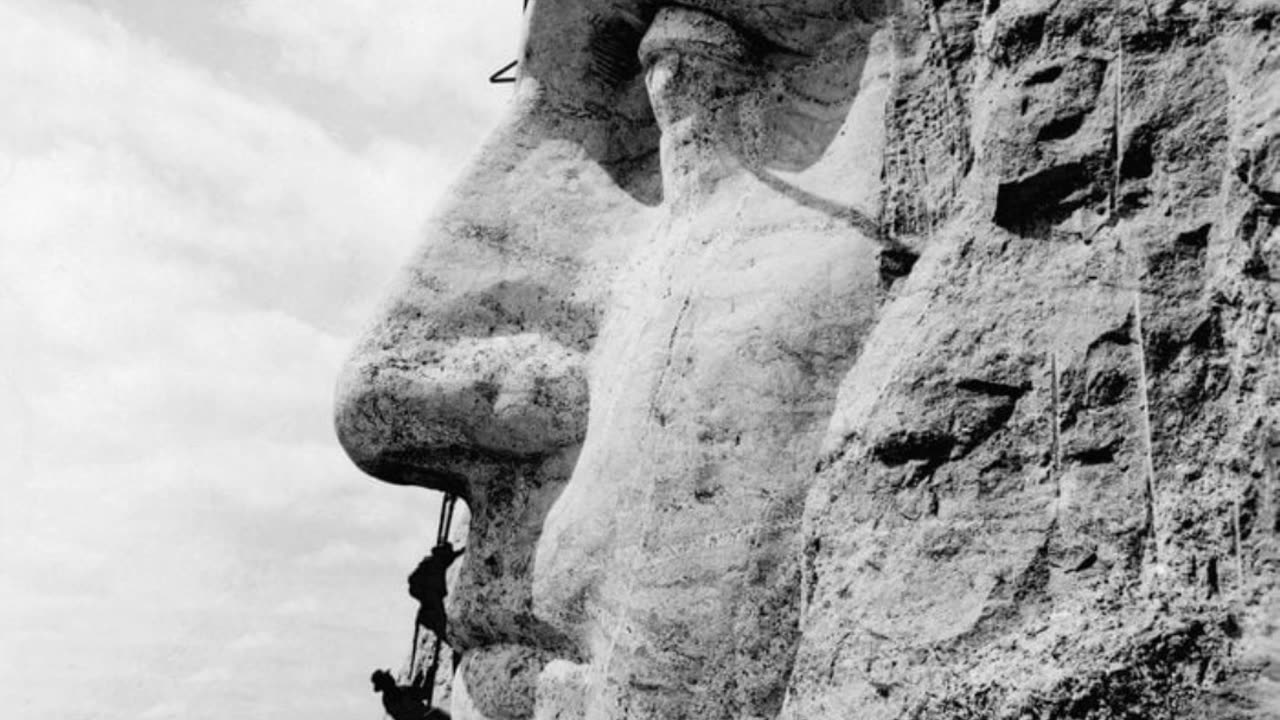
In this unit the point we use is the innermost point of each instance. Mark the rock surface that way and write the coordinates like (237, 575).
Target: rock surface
(1052, 497)
(839, 359)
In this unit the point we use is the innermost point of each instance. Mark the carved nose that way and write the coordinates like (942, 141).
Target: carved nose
(496, 420)
(420, 412)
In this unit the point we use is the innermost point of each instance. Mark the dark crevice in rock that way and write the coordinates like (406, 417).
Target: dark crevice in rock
(988, 387)
(614, 56)
(1138, 161)
(904, 446)
(1197, 239)
(1251, 172)
(1207, 335)
(1121, 335)
(1256, 267)
(1044, 75)
(1096, 455)
(1107, 386)
(1212, 583)
(1061, 128)
(896, 263)
(1004, 465)
(1044, 198)
(1158, 677)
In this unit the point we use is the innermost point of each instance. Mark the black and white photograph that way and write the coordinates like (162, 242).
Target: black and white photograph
(640, 360)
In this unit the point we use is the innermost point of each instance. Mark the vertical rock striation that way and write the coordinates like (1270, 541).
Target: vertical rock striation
(1050, 484)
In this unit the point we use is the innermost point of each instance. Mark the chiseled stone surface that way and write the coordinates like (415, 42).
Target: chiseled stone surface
(848, 359)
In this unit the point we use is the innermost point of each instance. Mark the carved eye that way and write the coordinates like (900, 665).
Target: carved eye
(694, 34)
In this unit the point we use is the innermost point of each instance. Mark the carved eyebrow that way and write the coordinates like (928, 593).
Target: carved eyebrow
(787, 27)
(747, 23)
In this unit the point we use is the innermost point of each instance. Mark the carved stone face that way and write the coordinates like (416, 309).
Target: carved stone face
(620, 343)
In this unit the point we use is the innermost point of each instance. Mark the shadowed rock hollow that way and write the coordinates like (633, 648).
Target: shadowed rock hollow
(837, 359)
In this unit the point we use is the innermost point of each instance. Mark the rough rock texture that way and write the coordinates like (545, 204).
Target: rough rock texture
(1052, 496)
(835, 359)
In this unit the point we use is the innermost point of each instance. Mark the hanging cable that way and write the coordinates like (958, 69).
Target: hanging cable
(446, 518)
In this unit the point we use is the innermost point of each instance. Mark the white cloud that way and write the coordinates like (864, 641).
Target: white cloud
(192, 246)
(340, 554)
(181, 269)
(166, 710)
(391, 52)
(309, 605)
(209, 676)
(253, 641)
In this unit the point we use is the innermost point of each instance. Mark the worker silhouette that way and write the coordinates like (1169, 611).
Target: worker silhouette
(405, 702)
(427, 585)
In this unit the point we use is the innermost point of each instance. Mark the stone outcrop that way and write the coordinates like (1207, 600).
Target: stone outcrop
(1053, 496)
(842, 359)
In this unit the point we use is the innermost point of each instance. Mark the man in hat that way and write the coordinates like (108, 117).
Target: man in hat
(405, 702)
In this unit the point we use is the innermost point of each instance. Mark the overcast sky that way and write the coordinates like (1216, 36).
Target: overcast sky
(200, 202)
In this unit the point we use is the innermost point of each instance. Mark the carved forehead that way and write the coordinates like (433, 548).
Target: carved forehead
(797, 25)
(801, 26)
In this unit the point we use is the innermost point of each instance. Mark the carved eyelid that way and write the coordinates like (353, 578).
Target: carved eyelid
(691, 32)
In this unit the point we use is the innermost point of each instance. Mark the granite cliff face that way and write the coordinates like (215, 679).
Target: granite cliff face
(1055, 495)
(848, 359)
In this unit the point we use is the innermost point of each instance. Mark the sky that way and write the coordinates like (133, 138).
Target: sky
(200, 203)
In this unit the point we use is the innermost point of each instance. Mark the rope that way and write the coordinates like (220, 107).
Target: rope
(446, 518)
(413, 656)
